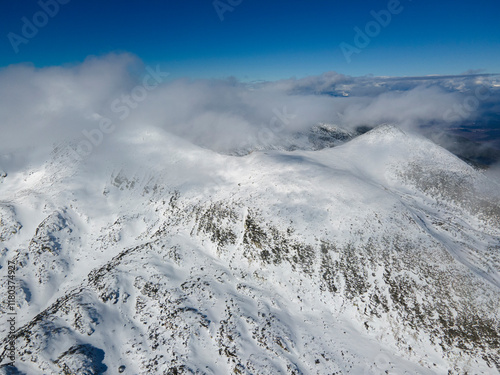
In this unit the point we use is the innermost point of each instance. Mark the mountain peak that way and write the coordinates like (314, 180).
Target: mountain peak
(239, 264)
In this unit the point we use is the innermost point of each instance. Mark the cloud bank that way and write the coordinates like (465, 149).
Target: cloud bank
(40, 108)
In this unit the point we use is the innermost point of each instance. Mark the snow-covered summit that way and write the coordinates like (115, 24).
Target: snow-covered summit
(153, 255)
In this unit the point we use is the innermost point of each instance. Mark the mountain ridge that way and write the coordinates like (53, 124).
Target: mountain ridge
(184, 254)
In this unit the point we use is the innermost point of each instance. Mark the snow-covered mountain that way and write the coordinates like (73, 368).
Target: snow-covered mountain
(155, 256)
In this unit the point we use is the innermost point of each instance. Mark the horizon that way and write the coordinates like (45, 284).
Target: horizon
(254, 41)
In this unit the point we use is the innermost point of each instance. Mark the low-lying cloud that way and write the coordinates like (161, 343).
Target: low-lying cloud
(40, 108)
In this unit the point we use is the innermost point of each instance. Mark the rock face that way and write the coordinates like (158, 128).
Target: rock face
(380, 255)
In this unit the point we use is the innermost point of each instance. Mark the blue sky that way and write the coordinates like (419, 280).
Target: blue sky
(261, 39)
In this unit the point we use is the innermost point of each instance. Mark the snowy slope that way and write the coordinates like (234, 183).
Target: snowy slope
(155, 256)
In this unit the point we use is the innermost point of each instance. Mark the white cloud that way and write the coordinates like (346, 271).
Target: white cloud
(41, 107)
